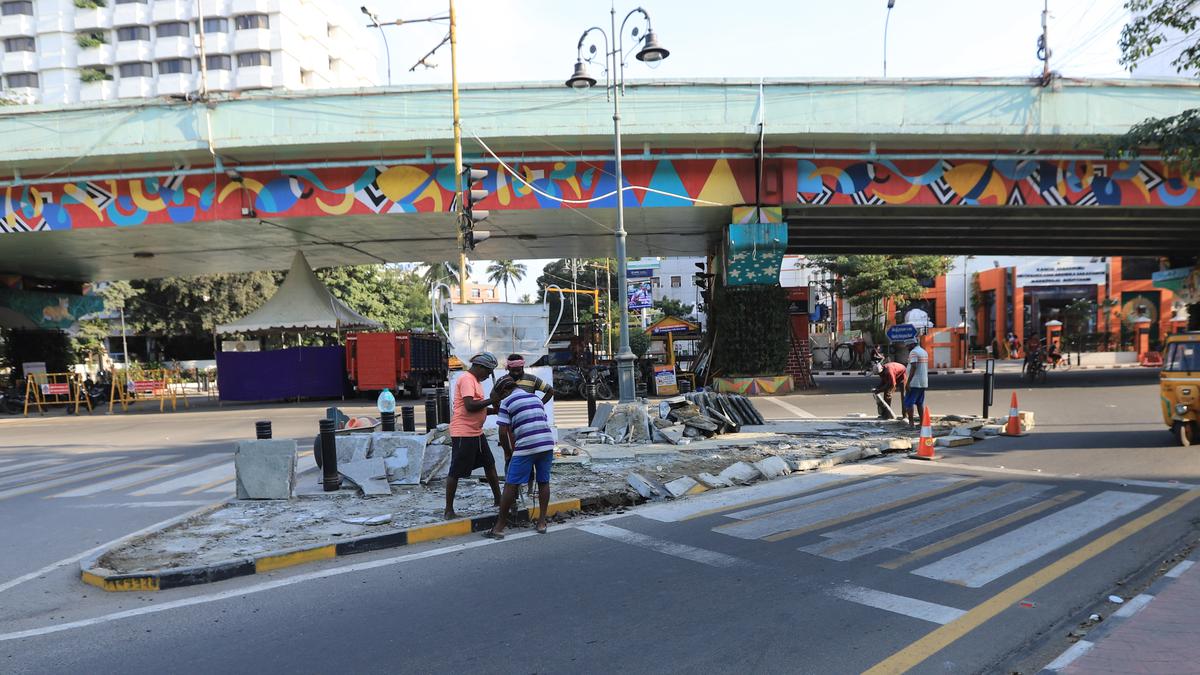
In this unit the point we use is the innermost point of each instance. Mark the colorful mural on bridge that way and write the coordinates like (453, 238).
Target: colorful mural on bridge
(406, 188)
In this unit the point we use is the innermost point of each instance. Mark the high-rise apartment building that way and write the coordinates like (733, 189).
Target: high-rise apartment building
(68, 51)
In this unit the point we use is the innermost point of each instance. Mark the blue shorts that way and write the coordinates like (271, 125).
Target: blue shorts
(522, 467)
(915, 396)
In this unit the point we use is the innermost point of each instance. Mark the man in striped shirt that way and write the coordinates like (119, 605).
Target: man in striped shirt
(525, 429)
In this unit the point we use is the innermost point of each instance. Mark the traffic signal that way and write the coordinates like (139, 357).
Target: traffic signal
(468, 235)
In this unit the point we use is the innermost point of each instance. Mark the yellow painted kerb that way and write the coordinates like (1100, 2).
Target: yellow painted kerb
(564, 506)
(439, 531)
(117, 585)
(275, 562)
(911, 656)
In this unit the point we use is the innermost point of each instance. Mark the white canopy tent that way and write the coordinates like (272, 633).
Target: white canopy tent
(302, 302)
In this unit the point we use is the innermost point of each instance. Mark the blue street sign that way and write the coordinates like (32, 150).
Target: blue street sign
(639, 273)
(901, 332)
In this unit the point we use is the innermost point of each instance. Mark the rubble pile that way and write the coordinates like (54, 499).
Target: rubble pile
(676, 420)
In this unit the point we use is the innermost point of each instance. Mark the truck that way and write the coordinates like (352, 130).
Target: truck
(403, 361)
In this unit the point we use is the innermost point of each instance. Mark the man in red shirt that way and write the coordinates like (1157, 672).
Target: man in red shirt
(891, 378)
(468, 446)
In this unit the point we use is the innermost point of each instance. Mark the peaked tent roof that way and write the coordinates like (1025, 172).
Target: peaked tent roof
(301, 302)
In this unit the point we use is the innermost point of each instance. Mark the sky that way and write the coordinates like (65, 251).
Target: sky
(535, 40)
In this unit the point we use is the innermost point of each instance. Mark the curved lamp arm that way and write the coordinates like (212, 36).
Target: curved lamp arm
(579, 52)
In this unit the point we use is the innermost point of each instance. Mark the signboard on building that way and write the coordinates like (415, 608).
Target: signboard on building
(640, 295)
(639, 273)
(1053, 271)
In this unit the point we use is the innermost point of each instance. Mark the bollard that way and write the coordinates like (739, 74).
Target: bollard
(408, 419)
(387, 421)
(330, 479)
(262, 430)
(430, 414)
(443, 405)
(590, 389)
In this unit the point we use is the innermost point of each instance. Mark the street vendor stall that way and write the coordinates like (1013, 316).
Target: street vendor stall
(667, 331)
(301, 304)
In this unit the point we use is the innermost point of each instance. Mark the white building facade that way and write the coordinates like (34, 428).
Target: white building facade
(71, 51)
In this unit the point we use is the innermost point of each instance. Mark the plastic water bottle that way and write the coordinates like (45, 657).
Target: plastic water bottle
(386, 402)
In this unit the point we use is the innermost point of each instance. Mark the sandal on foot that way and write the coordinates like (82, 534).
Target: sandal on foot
(542, 530)
(488, 534)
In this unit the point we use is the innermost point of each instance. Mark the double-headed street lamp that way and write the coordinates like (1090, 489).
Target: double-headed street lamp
(651, 52)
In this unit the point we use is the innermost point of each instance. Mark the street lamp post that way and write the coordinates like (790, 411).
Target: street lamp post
(387, 51)
(614, 79)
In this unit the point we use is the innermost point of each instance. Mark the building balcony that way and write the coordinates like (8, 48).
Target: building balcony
(59, 58)
(252, 40)
(131, 14)
(17, 24)
(55, 23)
(174, 48)
(218, 43)
(100, 18)
(176, 84)
(20, 62)
(136, 50)
(215, 7)
(221, 80)
(135, 87)
(104, 55)
(97, 91)
(255, 77)
(255, 7)
(173, 10)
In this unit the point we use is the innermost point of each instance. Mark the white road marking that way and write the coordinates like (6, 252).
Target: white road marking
(891, 529)
(698, 555)
(56, 469)
(251, 590)
(196, 479)
(1179, 569)
(28, 465)
(1133, 606)
(996, 557)
(222, 488)
(142, 505)
(67, 480)
(1068, 657)
(789, 504)
(136, 478)
(1165, 485)
(899, 604)
(675, 511)
(798, 412)
(855, 499)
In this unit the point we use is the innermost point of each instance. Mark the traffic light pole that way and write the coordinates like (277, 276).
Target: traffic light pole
(458, 158)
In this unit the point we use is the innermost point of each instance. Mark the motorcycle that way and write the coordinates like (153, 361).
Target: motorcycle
(574, 380)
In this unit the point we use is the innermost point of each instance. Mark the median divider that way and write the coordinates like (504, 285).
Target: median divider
(160, 580)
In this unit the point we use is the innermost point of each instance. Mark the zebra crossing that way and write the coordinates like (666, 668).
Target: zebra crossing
(97, 479)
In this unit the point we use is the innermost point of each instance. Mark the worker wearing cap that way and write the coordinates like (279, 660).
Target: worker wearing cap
(468, 447)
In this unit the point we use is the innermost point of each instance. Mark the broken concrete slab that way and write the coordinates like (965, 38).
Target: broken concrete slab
(712, 482)
(1026, 420)
(606, 453)
(382, 519)
(673, 434)
(370, 475)
(953, 441)
(603, 411)
(772, 467)
(683, 486)
(435, 465)
(896, 445)
(740, 473)
(962, 432)
(648, 488)
(352, 447)
(402, 455)
(266, 469)
(993, 430)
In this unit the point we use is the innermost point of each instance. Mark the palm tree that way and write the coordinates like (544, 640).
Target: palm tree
(506, 272)
(445, 272)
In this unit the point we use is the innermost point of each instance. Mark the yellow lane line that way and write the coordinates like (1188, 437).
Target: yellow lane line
(831, 522)
(939, 546)
(917, 652)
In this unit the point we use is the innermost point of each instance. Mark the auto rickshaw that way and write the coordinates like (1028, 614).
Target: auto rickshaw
(1179, 385)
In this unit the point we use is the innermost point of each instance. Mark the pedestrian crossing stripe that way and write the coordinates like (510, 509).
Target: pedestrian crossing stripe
(134, 479)
(43, 485)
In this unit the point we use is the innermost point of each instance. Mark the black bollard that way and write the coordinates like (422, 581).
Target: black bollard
(262, 429)
(408, 419)
(387, 421)
(591, 401)
(330, 479)
(443, 403)
(430, 414)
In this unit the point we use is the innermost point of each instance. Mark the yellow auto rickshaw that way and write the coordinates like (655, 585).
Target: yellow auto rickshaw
(1179, 385)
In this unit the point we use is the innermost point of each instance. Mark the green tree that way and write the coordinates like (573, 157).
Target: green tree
(444, 272)
(195, 306)
(673, 307)
(869, 281)
(639, 342)
(505, 272)
(88, 342)
(396, 298)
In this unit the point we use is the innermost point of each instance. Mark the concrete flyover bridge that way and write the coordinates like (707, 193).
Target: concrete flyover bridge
(138, 189)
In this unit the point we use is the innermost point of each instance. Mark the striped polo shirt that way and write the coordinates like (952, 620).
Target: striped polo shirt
(526, 416)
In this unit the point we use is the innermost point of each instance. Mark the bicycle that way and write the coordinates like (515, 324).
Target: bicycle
(850, 356)
(1036, 370)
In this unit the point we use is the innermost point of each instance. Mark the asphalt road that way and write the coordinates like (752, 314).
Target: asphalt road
(888, 567)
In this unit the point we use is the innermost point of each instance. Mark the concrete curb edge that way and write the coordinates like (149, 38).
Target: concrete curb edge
(92, 573)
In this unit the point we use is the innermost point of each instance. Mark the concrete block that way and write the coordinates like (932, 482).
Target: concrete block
(353, 447)
(673, 434)
(265, 469)
(1026, 420)
(993, 430)
(603, 410)
(852, 454)
(896, 445)
(647, 488)
(370, 475)
(740, 473)
(608, 453)
(953, 441)
(963, 431)
(435, 464)
(713, 482)
(388, 443)
(806, 464)
(682, 486)
(772, 466)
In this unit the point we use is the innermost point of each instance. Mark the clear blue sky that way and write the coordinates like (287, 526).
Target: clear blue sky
(531, 40)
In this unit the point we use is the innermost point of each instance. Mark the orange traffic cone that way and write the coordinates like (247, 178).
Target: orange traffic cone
(1013, 428)
(925, 445)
